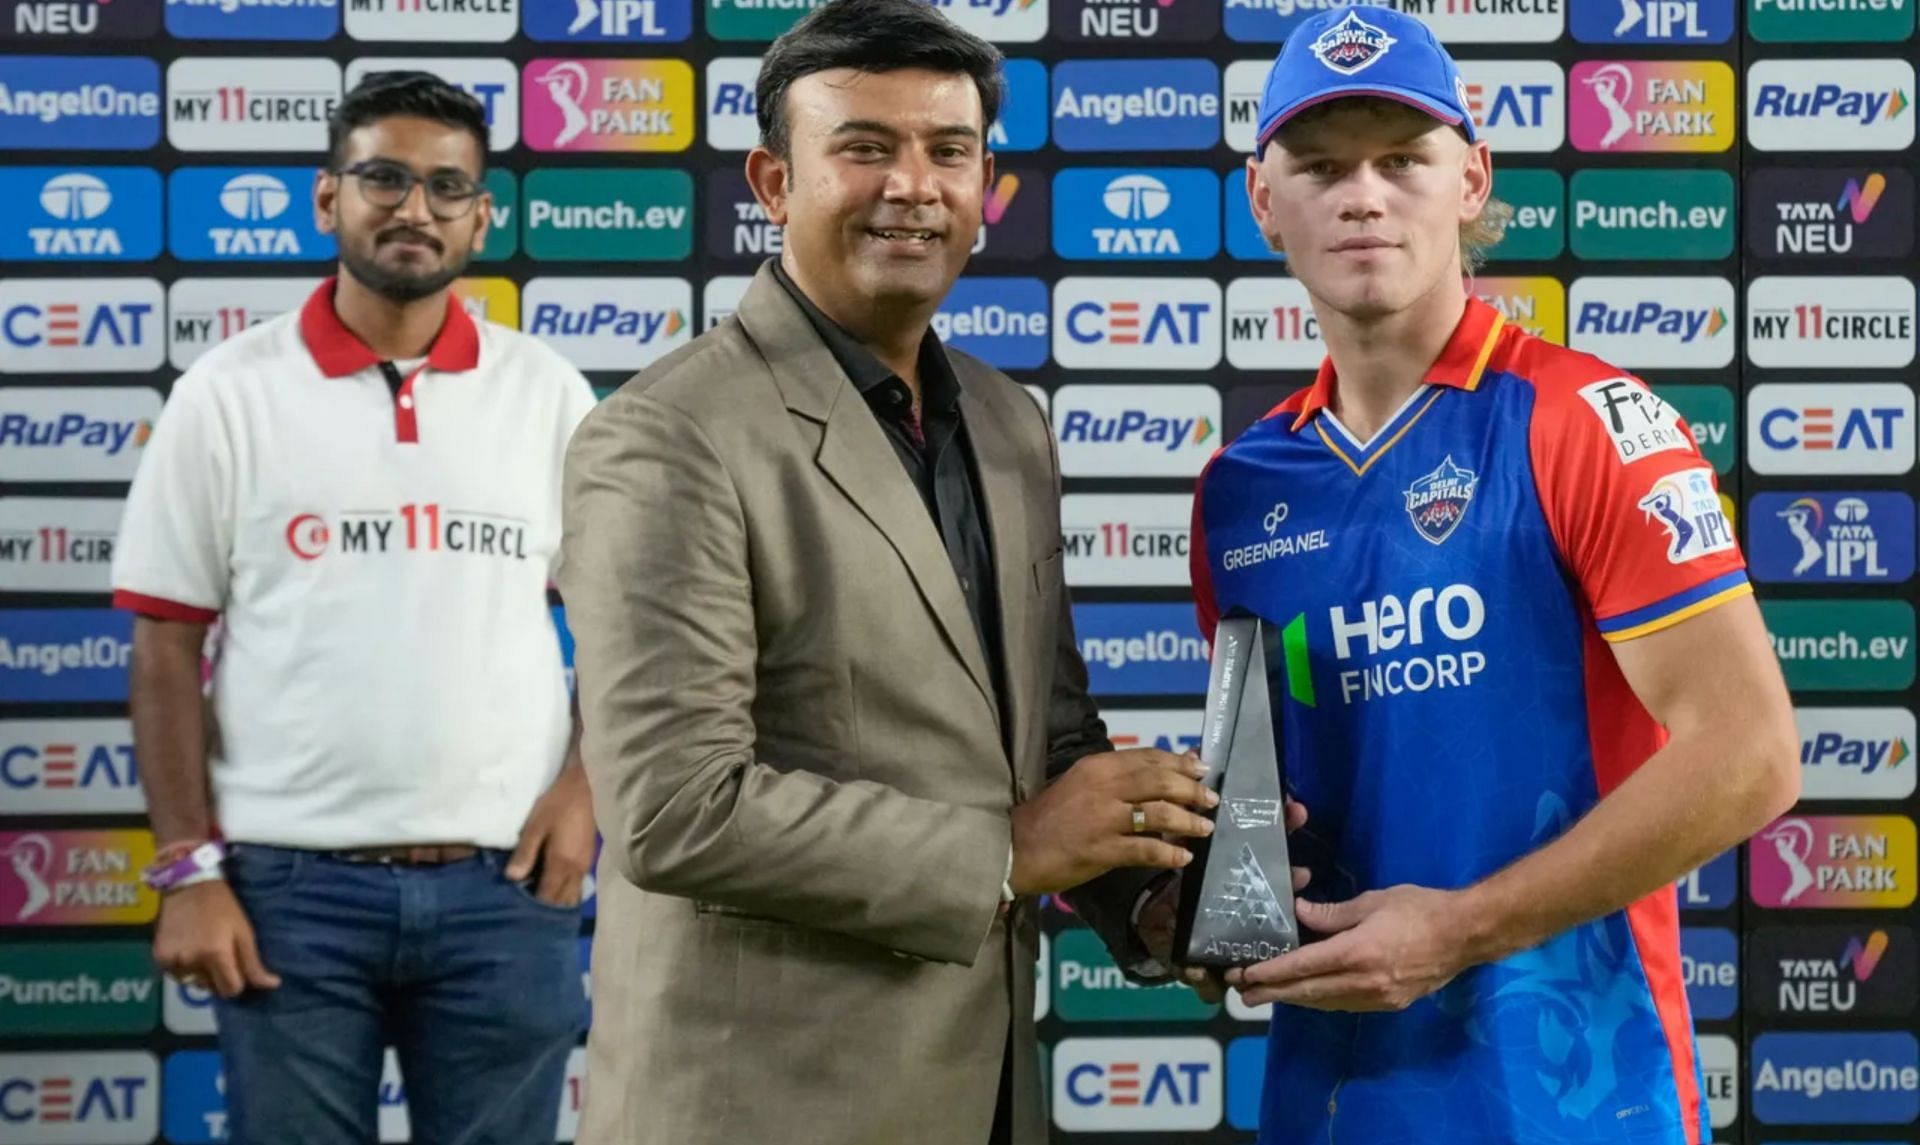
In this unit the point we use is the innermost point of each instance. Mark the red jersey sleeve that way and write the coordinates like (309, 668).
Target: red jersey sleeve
(1199, 568)
(1633, 507)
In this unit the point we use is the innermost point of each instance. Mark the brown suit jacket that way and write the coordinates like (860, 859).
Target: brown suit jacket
(797, 759)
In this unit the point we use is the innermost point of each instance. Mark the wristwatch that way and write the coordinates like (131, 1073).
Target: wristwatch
(199, 865)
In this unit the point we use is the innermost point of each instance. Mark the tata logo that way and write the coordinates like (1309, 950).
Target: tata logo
(54, 767)
(1000, 21)
(1137, 323)
(610, 323)
(1652, 21)
(245, 214)
(64, 434)
(1660, 322)
(1133, 1084)
(1856, 753)
(609, 21)
(1830, 105)
(1859, 971)
(1136, 105)
(1818, 538)
(1271, 326)
(1001, 321)
(94, 1098)
(1519, 105)
(1844, 322)
(1853, 212)
(1136, 430)
(1024, 113)
(81, 325)
(494, 83)
(253, 19)
(1119, 213)
(1710, 967)
(733, 122)
(64, 103)
(1836, 1078)
(79, 19)
(83, 214)
(1126, 539)
(204, 312)
(1835, 428)
(1091, 21)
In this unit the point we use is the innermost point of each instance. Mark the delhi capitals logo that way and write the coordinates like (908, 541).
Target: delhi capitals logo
(1437, 501)
(1351, 45)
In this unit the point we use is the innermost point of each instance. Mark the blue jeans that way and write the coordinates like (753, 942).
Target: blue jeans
(473, 981)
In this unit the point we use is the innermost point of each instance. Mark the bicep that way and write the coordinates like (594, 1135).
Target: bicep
(1711, 673)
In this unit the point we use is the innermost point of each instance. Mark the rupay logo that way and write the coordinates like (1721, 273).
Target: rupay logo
(79, 213)
(998, 21)
(60, 103)
(1852, 322)
(1819, 538)
(69, 767)
(1136, 105)
(1830, 428)
(91, 434)
(732, 119)
(1654, 322)
(1856, 753)
(1001, 321)
(1136, 430)
(1830, 105)
(250, 214)
(99, 1098)
(81, 325)
(1136, 323)
(1135, 1084)
(1136, 213)
(610, 323)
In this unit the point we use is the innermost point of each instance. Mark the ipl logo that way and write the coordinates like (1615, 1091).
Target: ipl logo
(1610, 84)
(1352, 45)
(31, 860)
(1793, 843)
(567, 84)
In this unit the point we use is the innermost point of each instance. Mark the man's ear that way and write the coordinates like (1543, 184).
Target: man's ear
(1260, 201)
(1476, 182)
(326, 195)
(770, 177)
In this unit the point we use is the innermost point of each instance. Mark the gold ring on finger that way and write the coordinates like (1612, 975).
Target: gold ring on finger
(1139, 819)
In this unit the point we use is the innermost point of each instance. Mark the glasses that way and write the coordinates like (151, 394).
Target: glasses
(386, 184)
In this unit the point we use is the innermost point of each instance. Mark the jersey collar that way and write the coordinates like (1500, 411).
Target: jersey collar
(339, 352)
(1460, 364)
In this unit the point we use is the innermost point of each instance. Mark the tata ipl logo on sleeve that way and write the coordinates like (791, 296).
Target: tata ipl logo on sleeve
(84, 214)
(493, 82)
(245, 214)
(1707, 414)
(1832, 1078)
(1625, 215)
(1088, 987)
(1842, 645)
(1135, 21)
(57, 544)
(1833, 861)
(91, 989)
(1136, 105)
(434, 21)
(1821, 538)
(1001, 321)
(97, 1098)
(253, 19)
(733, 122)
(1518, 105)
(1839, 22)
(1125, 539)
(1651, 21)
(1836, 428)
(1136, 214)
(1141, 649)
(75, 878)
(608, 21)
(69, 767)
(998, 21)
(227, 104)
(1271, 325)
(65, 434)
(610, 323)
(1136, 430)
(1108, 1085)
(608, 105)
(93, 103)
(1710, 966)
(1853, 212)
(1537, 305)
(1836, 971)
(1643, 105)
(1675, 323)
(1025, 112)
(204, 312)
(1830, 105)
(1137, 323)
(70, 20)
(1850, 323)
(81, 325)
(1687, 507)
(1856, 753)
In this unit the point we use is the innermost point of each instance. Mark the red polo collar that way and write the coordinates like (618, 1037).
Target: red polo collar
(339, 352)
(1460, 364)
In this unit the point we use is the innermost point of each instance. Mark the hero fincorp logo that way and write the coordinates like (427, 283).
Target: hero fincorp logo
(57, 544)
(1836, 1078)
(610, 323)
(1125, 539)
(1271, 326)
(495, 83)
(1136, 105)
(1658, 322)
(1518, 105)
(1136, 430)
(1133, 1084)
(1375, 629)
(1821, 538)
(64, 213)
(1136, 213)
(66, 102)
(1856, 753)
(203, 312)
(1641, 105)
(93, 1098)
(1137, 323)
(427, 527)
(91, 434)
(251, 104)
(81, 325)
(252, 214)
(1830, 428)
(1865, 323)
(433, 20)
(69, 767)
(1830, 105)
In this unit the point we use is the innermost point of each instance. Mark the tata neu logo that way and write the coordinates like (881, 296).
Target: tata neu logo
(1133, 539)
(1851, 323)
(1135, 21)
(1270, 325)
(1854, 212)
(1830, 105)
(204, 312)
(1839, 971)
(55, 20)
(226, 104)
(1856, 753)
(1680, 323)
(79, 1098)
(1844, 861)
(79, 214)
(1134, 1084)
(1519, 105)
(1831, 538)
(1830, 428)
(81, 325)
(1137, 323)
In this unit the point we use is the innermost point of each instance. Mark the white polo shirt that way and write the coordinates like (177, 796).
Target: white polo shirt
(387, 669)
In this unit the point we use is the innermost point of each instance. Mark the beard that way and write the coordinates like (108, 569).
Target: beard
(401, 285)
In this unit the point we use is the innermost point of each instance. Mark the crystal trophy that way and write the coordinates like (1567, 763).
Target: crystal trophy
(1236, 896)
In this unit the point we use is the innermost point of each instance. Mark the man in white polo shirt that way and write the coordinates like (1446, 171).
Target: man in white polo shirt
(378, 832)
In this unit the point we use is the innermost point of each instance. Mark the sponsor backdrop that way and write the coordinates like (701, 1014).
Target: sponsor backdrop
(1717, 194)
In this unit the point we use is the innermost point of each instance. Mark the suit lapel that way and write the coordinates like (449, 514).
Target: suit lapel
(856, 456)
(1006, 513)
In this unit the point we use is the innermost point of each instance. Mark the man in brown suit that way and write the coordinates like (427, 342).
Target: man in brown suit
(836, 724)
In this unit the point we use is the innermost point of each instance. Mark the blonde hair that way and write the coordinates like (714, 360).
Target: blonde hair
(1484, 233)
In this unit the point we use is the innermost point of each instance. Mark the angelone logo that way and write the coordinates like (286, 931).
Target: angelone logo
(1141, 649)
(1831, 1078)
(1136, 105)
(1001, 321)
(63, 103)
(253, 19)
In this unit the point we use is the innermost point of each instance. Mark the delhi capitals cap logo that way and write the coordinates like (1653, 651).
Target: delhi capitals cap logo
(1437, 501)
(1351, 45)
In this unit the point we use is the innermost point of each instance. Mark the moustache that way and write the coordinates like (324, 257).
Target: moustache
(408, 234)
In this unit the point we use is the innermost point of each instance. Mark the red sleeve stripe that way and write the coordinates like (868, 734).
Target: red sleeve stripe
(160, 608)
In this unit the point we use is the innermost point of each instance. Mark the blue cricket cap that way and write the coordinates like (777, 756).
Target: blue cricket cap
(1363, 51)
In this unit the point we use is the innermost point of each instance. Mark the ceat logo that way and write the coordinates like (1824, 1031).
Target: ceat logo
(1133, 1084)
(1149, 324)
(56, 766)
(1518, 105)
(74, 325)
(79, 1098)
(1830, 428)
